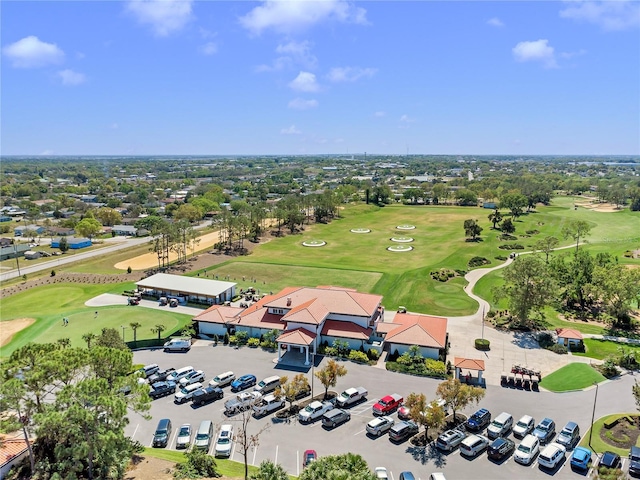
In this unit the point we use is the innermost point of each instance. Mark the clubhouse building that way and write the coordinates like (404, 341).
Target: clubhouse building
(308, 317)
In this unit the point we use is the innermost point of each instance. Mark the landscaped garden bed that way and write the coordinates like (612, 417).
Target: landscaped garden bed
(616, 433)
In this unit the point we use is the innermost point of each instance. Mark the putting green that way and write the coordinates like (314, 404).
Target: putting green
(400, 248)
(445, 288)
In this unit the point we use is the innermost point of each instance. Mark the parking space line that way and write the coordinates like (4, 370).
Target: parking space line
(297, 463)
(358, 433)
(533, 464)
(173, 439)
(391, 473)
(135, 431)
(255, 452)
(276, 459)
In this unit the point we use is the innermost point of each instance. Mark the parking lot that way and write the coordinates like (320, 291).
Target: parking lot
(284, 442)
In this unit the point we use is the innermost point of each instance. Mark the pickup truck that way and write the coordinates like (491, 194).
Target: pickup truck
(162, 389)
(242, 401)
(313, 411)
(388, 404)
(267, 404)
(351, 396)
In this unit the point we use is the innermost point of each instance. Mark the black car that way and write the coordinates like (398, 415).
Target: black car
(610, 460)
(500, 448)
(162, 434)
(478, 420)
(206, 395)
(162, 389)
(160, 376)
(402, 430)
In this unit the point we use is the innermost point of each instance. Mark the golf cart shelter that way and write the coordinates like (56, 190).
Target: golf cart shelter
(466, 368)
(188, 289)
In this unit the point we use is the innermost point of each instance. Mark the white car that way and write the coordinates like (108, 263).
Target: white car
(381, 473)
(524, 426)
(186, 392)
(527, 450)
(473, 445)
(552, 455)
(380, 425)
(193, 377)
(224, 441)
(222, 380)
(184, 436)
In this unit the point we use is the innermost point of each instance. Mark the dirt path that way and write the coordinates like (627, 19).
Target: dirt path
(156, 469)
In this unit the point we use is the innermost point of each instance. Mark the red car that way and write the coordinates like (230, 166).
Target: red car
(309, 456)
(387, 404)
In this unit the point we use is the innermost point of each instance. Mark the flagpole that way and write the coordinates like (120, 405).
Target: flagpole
(483, 322)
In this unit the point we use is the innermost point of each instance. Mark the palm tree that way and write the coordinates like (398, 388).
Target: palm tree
(135, 326)
(495, 217)
(270, 471)
(89, 337)
(159, 328)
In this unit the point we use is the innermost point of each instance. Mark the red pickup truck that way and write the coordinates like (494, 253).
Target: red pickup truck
(387, 404)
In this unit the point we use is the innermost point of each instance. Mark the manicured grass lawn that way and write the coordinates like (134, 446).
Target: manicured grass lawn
(572, 377)
(48, 304)
(601, 349)
(597, 444)
(228, 468)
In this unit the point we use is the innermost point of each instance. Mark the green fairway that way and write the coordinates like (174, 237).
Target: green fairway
(362, 261)
(572, 377)
(601, 349)
(48, 304)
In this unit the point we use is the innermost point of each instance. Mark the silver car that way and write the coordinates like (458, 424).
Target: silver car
(184, 436)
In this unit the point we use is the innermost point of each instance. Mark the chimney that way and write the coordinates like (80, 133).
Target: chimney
(288, 301)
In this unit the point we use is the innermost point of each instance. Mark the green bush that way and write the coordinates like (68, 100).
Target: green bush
(608, 368)
(435, 367)
(233, 340)
(331, 351)
(478, 261)
(557, 348)
(373, 354)
(545, 339)
(226, 338)
(357, 356)
(197, 464)
(532, 232)
(482, 344)
(242, 337)
(511, 246)
(253, 342)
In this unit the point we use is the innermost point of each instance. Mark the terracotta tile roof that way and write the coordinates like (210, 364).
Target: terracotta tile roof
(569, 333)
(336, 328)
(421, 330)
(10, 448)
(312, 311)
(219, 314)
(262, 319)
(298, 336)
(386, 327)
(335, 299)
(468, 363)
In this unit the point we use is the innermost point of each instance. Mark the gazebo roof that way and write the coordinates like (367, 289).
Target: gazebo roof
(468, 363)
(569, 333)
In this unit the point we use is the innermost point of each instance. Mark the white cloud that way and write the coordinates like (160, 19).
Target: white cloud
(297, 15)
(209, 48)
(292, 54)
(305, 82)
(164, 16)
(302, 104)
(569, 55)
(406, 119)
(535, 51)
(292, 130)
(31, 52)
(71, 78)
(379, 114)
(495, 22)
(349, 74)
(609, 15)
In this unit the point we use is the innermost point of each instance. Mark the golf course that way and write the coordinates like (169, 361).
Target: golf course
(351, 251)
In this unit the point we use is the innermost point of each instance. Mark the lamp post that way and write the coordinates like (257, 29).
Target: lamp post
(123, 327)
(593, 415)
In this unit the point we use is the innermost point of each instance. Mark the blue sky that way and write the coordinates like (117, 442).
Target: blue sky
(148, 77)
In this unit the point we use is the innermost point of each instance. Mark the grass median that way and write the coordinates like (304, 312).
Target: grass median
(574, 376)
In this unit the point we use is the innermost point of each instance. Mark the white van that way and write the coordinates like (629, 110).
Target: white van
(204, 435)
(179, 374)
(268, 385)
(527, 450)
(222, 380)
(500, 426)
(178, 345)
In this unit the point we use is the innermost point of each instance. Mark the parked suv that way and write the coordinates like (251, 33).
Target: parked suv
(634, 461)
(569, 435)
(222, 380)
(524, 426)
(527, 450)
(500, 425)
(403, 430)
(545, 430)
(450, 439)
(161, 389)
(206, 395)
(478, 420)
(335, 417)
(473, 445)
(163, 433)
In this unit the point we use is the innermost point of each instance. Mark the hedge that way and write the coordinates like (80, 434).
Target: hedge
(482, 344)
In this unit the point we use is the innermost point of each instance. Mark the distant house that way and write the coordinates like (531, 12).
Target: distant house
(20, 231)
(73, 243)
(60, 231)
(32, 254)
(13, 251)
(126, 230)
(569, 337)
(5, 242)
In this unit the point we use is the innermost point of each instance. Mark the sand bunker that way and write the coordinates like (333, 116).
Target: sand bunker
(150, 260)
(10, 327)
(596, 206)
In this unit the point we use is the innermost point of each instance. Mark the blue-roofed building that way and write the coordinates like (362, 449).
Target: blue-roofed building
(73, 243)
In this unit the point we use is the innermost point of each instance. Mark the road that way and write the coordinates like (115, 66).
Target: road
(64, 260)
